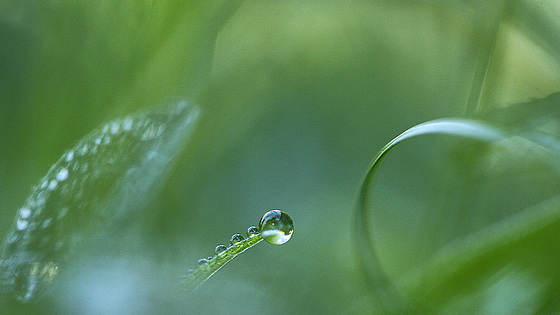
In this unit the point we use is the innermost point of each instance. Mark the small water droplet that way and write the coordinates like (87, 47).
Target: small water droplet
(22, 224)
(84, 150)
(202, 262)
(252, 231)
(46, 223)
(53, 183)
(13, 238)
(62, 175)
(190, 272)
(69, 156)
(114, 128)
(220, 249)
(24, 213)
(236, 238)
(276, 227)
(98, 141)
(62, 213)
(127, 123)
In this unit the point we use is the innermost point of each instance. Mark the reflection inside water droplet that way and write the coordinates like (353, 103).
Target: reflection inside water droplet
(276, 227)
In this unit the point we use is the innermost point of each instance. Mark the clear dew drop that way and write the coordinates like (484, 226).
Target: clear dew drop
(46, 223)
(24, 213)
(69, 156)
(202, 262)
(62, 213)
(84, 150)
(62, 175)
(236, 238)
(127, 123)
(22, 224)
(115, 128)
(53, 184)
(276, 227)
(252, 231)
(220, 249)
(13, 238)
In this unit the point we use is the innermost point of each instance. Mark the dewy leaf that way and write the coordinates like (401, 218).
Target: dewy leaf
(96, 187)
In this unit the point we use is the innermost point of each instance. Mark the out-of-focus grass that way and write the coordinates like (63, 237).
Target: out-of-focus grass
(296, 99)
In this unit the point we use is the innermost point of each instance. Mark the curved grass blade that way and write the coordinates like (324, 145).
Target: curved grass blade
(366, 249)
(500, 234)
(98, 187)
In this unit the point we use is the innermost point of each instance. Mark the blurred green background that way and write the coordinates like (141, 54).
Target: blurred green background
(296, 98)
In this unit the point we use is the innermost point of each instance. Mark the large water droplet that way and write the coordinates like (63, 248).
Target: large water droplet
(276, 227)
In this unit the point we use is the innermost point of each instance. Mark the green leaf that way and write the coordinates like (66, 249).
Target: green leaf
(96, 190)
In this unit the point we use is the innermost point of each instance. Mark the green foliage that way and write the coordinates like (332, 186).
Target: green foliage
(296, 98)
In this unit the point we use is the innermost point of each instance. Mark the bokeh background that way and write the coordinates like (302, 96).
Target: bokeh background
(296, 99)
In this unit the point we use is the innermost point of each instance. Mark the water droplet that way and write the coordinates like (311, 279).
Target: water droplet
(69, 156)
(276, 227)
(236, 238)
(114, 128)
(62, 213)
(220, 249)
(53, 184)
(190, 272)
(98, 141)
(46, 223)
(13, 238)
(202, 262)
(84, 150)
(252, 231)
(24, 213)
(22, 224)
(62, 175)
(127, 123)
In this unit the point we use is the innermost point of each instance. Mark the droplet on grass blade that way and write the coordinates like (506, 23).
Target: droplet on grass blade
(100, 186)
(276, 227)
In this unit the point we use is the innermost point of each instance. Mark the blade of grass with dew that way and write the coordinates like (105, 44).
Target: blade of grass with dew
(95, 190)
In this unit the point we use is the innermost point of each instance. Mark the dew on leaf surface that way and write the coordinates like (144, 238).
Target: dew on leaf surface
(99, 186)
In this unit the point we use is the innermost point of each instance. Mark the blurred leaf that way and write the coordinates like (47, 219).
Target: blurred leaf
(96, 191)
(473, 234)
